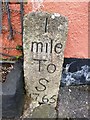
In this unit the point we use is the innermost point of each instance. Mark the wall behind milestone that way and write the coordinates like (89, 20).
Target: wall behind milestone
(77, 41)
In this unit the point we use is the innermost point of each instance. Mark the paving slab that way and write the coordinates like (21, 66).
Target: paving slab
(13, 93)
(74, 102)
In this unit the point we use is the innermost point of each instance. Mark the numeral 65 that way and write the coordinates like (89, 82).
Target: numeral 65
(50, 100)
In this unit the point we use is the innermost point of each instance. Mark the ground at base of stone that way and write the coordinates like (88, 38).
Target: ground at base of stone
(74, 102)
(50, 119)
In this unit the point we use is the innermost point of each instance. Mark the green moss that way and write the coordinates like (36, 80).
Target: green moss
(19, 47)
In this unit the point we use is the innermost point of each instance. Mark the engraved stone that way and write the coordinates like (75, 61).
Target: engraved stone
(44, 42)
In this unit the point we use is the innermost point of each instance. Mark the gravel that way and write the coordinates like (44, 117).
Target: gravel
(4, 70)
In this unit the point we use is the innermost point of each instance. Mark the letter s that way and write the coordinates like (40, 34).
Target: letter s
(42, 84)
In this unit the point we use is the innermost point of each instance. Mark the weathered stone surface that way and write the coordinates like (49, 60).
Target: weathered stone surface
(74, 102)
(13, 93)
(44, 111)
(44, 42)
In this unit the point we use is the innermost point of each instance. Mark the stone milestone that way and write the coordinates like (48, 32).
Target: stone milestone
(44, 41)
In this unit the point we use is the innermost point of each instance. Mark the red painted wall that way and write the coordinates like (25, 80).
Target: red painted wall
(77, 41)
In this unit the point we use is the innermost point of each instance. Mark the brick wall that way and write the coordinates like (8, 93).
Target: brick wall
(77, 13)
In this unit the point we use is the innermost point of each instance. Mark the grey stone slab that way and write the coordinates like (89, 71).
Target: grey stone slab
(13, 92)
(43, 42)
(0, 99)
(74, 102)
